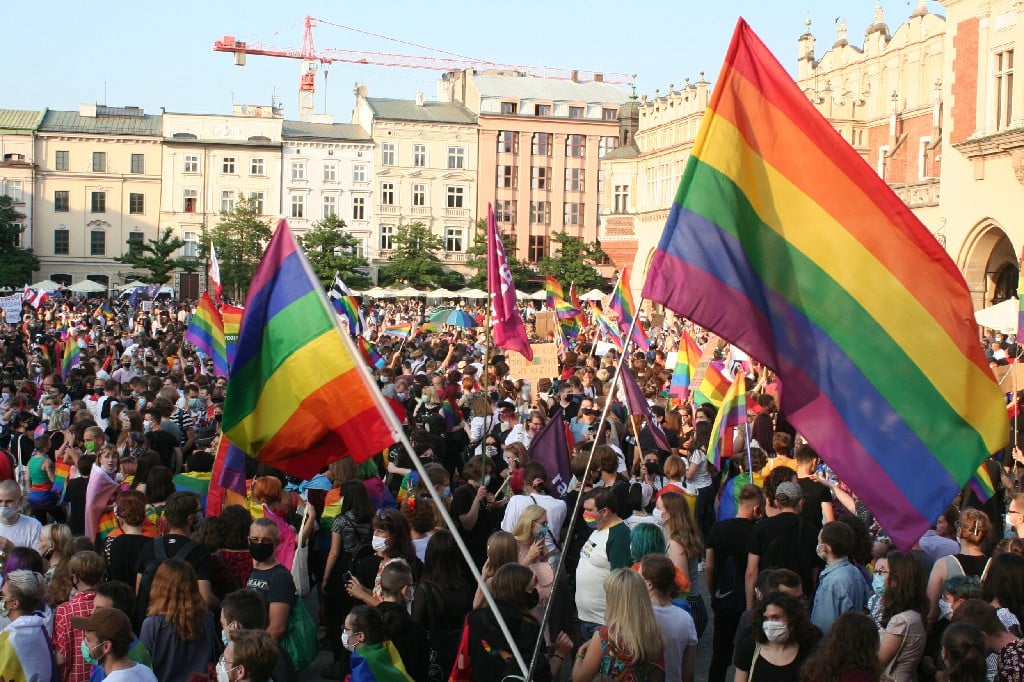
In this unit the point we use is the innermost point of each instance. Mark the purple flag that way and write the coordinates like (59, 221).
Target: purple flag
(636, 403)
(550, 447)
(506, 324)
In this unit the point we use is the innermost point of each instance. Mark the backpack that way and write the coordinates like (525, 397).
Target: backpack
(160, 555)
(730, 595)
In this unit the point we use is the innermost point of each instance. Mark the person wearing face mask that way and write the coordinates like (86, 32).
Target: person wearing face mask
(397, 586)
(16, 529)
(244, 610)
(269, 578)
(902, 631)
(86, 569)
(250, 656)
(25, 650)
(374, 656)
(107, 637)
(841, 586)
(782, 637)
(536, 492)
(469, 506)
(605, 550)
(391, 540)
(531, 534)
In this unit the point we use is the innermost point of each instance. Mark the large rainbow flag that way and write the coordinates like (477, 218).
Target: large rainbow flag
(732, 414)
(621, 302)
(782, 240)
(72, 353)
(553, 290)
(206, 332)
(296, 398)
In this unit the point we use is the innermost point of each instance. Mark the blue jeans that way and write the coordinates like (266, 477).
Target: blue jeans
(587, 629)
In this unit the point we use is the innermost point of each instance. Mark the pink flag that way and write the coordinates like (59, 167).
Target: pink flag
(506, 324)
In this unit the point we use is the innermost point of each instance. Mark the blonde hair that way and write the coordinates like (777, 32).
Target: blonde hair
(680, 526)
(524, 527)
(502, 549)
(629, 616)
(974, 526)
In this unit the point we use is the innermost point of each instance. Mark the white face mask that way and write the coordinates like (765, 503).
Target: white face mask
(658, 514)
(345, 642)
(945, 609)
(223, 671)
(775, 630)
(379, 543)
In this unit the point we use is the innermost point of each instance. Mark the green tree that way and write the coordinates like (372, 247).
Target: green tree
(575, 262)
(330, 249)
(16, 264)
(415, 261)
(157, 256)
(240, 239)
(522, 272)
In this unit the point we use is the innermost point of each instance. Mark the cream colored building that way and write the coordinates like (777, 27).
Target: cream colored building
(209, 161)
(17, 161)
(97, 187)
(425, 170)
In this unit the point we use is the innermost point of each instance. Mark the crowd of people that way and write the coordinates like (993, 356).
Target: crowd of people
(114, 566)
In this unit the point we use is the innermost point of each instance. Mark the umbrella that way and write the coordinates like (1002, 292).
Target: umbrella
(538, 295)
(134, 284)
(453, 318)
(441, 293)
(408, 292)
(474, 293)
(375, 292)
(593, 295)
(87, 286)
(45, 285)
(1000, 317)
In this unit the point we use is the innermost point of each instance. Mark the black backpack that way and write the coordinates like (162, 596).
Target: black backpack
(730, 594)
(188, 548)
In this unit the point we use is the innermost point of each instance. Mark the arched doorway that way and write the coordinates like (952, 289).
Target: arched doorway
(989, 264)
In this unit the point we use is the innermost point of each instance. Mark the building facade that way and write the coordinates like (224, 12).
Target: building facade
(541, 141)
(424, 170)
(17, 164)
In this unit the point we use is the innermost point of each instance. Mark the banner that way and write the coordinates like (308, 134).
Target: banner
(12, 308)
(543, 365)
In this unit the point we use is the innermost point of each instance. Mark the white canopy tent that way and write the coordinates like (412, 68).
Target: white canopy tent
(1000, 317)
(87, 286)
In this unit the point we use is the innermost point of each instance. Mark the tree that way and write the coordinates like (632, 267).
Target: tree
(157, 257)
(16, 264)
(330, 249)
(522, 272)
(240, 239)
(415, 261)
(575, 262)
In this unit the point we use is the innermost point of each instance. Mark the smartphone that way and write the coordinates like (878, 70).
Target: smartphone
(346, 577)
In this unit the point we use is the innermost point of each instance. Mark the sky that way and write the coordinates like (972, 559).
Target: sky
(63, 53)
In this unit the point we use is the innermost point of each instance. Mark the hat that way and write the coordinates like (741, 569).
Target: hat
(788, 492)
(108, 624)
(506, 405)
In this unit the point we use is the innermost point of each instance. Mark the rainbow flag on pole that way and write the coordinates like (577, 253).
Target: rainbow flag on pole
(232, 317)
(206, 332)
(72, 353)
(813, 265)
(621, 302)
(296, 398)
(687, 359)
(712, 388)
(982, 484)
(607, 327)
(402, 331)
(554, 291)
(733, 413)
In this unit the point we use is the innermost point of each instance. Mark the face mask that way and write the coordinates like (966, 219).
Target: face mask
(658, 514)
(345, 642)
(223, 671)
(401, 396)
(8, 513)
(491, 450)
(147, 426)
(532, 599)
(379, 544)
(775, 631)
(90, 446)
(224, 638)
(199, 520)
(878, 584)
(945, 609)
(542, 532)
(590, 519)
(87, 654)
(260, 552)
(5, 396)
(47, 412)
(446, 493)
(385, 380)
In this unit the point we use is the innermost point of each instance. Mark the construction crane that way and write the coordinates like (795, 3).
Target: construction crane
(311, 61)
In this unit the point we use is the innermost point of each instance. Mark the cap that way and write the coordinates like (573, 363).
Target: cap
(789, 491)
(108, 624)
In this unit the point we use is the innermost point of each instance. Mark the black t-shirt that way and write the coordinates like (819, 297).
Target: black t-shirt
(765, 671)
(74, 496)
(408, 637)
(730, 538)
(164, 443)
(122, 555)
(476, 537)
(199, 557)
(647, 443)
(274, 584)
(815, 494)
(787, 541)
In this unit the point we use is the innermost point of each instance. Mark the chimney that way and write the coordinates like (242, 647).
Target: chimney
(599, 78)
(419, 99)
(575, 76)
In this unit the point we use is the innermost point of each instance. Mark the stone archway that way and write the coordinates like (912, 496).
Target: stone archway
(989, 264)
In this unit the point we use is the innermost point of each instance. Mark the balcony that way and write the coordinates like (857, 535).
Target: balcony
(387, 209)
(456, 213)
(420, 210)
(454, 257)
(918, 194)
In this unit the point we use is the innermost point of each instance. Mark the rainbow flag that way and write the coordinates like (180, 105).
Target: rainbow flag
(370, 354)
(296, 400)
(621, 302)
(813, 265)
(712, 388)
(206, 333)
(232, 317)
(729, 500)
(72, 353)
(105, 311)
(982, 485)
(1020, 304)
(733, 413)
(61, 474)
(24, 655)
(402, 331)
(687, 359)
(347, 307)
(378, 663)
(607, 327)
(554, 291)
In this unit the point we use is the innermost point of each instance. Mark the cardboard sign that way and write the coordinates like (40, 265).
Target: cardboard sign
(544, 324)
(544, 365)
(12, 308)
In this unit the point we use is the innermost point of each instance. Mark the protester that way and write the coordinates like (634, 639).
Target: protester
(442, 601)
(86, 571)
(1009, 649)
(107, 639)
(783, 637)
(678, 630)
(179, 630)
(971, 560)
(249, 656)
(841, 586)
(606, 549)
(963, 653)
(25, 650)
(846, 653)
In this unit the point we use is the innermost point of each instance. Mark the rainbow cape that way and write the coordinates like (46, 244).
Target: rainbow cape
(25, 651)
(296, 399)
(621, 302)
(232, 317)
(61, 474)
(729, 500)
(733, 413)
(783, 241)
(206, 333)
(687, 359)
(378, 663)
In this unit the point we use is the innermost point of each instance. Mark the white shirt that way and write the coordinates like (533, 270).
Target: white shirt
(679, 633)
(555, 508)
(24, 532)
(139, 673)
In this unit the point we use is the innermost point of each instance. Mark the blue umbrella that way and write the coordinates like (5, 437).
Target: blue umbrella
(453, 318)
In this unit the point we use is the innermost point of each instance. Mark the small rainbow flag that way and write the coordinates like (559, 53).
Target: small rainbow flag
(733, 413)
(232, 317)
(72, 353)
(622, 303)
(687, 359)
(607, 327)
(981, 483)
(565, 310)
(347, 307)
(106, 311)
(206, 332)
(554, 291)
(370, 353)
(402, 331)
(712, 388)
(61, 474)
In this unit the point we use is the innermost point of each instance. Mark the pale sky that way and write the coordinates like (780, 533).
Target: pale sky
(63, 53)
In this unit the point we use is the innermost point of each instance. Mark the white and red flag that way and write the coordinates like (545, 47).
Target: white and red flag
(213, 277)
(506, 325)
(35, 298)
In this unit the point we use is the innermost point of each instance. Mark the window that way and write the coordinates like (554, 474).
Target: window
(191, 163)
(298, 170)
(605, 145)
(330, 172)
(256, 199)
(228, 165)
(191, 247)
(190, 199)
(508, 141)
(138, 163)
(572, 214)
(227, 201)
(419, 195)
(621, 198)
(541, 109)
(358, 208)
(18, 230)
(542, 144)
(136, 203)
(99, 162)
(573, 179)
(600, 182)
(505, 211)
(575, 145)
(97, 243)
(61, 201)
(507, 176)
(538, 247)
(298, 206)
(419, 155)
(387, 193)
(540, 177)
(359, 173)
(387, 154)
(99, 202)
(257, 166)
(540, 212)
(61, 242)
(1004, 88)
(453, 239)
(456, 196)
(609, 114)
(577, 112)
(330, 206)
(456, 157)
(509, 107)
(387, 233)
(14, 190)
(62, 161)
(135, 243)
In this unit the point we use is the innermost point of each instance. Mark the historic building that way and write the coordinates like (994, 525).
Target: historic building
(17, 164)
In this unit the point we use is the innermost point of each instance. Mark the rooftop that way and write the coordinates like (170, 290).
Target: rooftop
(104, 124)
(20, 120)
(295, 130)
(428, 112)
(548, 89)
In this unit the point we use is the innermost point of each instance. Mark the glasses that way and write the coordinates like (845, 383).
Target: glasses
(261, 541)
(881, 571)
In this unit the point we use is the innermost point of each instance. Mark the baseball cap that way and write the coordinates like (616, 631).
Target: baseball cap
(108, 624)
(788, 491)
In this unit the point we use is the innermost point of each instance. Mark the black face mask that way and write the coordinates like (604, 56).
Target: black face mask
(260, 552)
(532, 599)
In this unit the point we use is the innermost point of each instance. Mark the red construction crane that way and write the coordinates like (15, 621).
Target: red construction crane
(311, 60)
